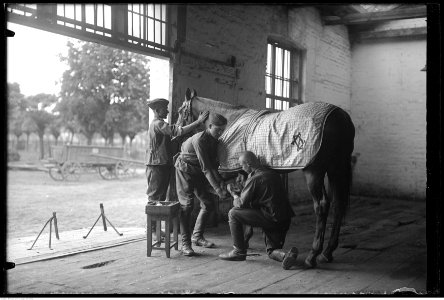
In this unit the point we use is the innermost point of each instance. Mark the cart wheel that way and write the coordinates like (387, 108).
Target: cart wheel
(56, 173)
(71, 171)
(107, 172)
(124, 170)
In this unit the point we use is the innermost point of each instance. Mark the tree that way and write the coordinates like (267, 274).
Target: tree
(97, 77)
(28, 128)
(16, 110)
(128, 119)
(38, 111)
(55, 128)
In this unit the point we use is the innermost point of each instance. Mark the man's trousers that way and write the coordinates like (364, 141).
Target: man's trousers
(274, 232)
(188, 186)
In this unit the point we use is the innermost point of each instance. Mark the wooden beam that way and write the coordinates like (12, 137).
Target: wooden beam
(405, 32)
(372, 17)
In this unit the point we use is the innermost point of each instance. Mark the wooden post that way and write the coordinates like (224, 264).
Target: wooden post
(50, 232)
(103, 216)
(149, 235)
(56, 229)
(167, 236)
(158, 232)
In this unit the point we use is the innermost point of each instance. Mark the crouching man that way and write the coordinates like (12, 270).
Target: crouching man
(263, 203)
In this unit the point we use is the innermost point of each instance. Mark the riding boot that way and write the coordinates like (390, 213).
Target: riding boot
(248, 233)
(185, 229)
(199, 228)
(288, 259)
(237, 234)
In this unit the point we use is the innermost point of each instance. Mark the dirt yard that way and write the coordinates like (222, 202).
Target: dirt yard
(32, 197)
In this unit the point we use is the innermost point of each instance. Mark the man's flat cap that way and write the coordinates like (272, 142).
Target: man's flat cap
(156, 103)
(217, 119)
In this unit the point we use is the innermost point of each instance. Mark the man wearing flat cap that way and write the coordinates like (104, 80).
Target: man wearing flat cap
(197, 165)
(159, 156)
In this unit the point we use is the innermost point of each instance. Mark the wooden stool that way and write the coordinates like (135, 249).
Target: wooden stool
(162, 211)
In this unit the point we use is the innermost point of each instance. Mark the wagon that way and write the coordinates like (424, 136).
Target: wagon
(68, 162)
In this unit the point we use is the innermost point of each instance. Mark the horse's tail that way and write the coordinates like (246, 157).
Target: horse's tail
(348, 160)
(342, 177)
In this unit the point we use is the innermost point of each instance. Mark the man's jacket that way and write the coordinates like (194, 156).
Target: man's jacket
(198, 154)
(264, 190)
(159, 150)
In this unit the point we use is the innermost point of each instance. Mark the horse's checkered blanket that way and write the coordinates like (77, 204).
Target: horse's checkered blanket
(286, 140)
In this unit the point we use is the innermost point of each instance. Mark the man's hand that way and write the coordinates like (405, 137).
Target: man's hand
(222, 193)
(203, 116)
(231, 189)
(222, 190)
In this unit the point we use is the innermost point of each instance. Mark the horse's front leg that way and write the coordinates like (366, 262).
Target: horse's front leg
(321, 205)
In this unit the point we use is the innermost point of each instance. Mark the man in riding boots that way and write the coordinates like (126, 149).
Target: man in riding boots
(197, 165)
(263, 203)
(159, 156)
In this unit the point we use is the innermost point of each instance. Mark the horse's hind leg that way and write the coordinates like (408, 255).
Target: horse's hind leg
(321, 204)
(339, 178)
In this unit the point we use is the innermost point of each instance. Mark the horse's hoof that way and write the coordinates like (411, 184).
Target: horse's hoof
(323, 259)
(310, 263)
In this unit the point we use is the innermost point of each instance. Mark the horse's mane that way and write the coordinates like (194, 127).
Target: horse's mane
(220, 104)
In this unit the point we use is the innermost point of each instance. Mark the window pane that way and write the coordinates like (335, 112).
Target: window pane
(100, 15)
(278, 87)
(287, 64)
(130, 23)
(78, 12)
(286, 89)
(268, 84)
(150, 10)
(278, 104)
(108, 16)
(267, 103)
(157, 11)
(69, 11)
(269, 54)
(164, 12)
(150, 30)
(163, 34)
(278, 62)
(136, 31)
(60, 9)
(157, 36)
(89, 13)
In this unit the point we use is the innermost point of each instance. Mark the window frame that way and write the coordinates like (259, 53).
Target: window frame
(294, 98)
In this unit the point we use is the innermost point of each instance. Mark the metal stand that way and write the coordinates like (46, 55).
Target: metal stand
(50, 230)
(104, 219)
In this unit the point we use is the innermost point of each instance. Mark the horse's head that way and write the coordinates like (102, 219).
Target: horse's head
(186, 116)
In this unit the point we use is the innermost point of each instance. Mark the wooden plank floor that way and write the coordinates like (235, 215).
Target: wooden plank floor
(382, 248)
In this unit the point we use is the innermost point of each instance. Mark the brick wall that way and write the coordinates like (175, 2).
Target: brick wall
(389, 112)
(218, 32)
(328, 57)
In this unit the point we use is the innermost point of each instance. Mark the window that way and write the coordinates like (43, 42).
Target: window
(96, 16)
(283, 77)
(140, 28)
(147, 22)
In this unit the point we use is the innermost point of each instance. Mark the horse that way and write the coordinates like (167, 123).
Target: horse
(332, 159)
